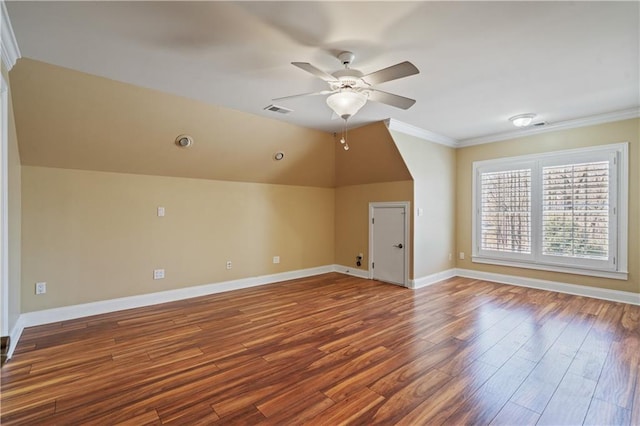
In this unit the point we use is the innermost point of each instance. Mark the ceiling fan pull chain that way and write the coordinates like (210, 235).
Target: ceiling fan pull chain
(344, 136)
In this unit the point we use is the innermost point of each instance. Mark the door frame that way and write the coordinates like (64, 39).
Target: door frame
(406, 205)
(4, 208)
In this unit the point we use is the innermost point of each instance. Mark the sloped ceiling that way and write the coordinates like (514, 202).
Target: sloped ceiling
(372, 157)
(69, 119)
(481, 62)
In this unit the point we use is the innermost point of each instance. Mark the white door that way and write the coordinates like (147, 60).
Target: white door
(388, 242)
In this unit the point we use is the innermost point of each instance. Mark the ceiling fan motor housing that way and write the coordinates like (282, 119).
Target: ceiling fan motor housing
(346, 58)
(348, 78)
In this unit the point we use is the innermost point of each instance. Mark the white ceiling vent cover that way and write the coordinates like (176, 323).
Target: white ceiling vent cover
(278, 109)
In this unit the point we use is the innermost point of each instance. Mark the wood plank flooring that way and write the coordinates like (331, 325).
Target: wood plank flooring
(335, 349)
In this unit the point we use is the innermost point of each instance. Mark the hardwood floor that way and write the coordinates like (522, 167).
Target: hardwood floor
(335, 349)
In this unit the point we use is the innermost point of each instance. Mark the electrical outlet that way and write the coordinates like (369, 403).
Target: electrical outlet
(450, 256)
(41, 288)
(160, 211)
(228, 264)
(158, 274)
(276, 259)
(461, 255)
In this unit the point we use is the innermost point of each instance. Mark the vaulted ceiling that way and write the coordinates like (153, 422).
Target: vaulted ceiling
(479, 62)
(74, 120)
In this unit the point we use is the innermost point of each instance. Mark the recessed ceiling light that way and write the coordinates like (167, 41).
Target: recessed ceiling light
(184, 141)
(278, 156)
(522, 120)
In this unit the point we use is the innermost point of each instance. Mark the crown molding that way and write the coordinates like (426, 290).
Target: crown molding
(427, 135)
(408, 129)
(552, 127)
(8, 43)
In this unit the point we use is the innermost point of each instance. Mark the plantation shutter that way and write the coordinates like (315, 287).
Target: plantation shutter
(506, 211)
(575, 216)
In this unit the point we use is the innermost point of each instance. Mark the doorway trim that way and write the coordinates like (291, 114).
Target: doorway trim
(406, 205)
(4, 208)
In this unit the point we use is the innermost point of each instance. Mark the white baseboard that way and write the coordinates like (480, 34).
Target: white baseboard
(47, 316)
(16, 332)
(575, 289)
(432, 279)
(65, 313)
(361, 273)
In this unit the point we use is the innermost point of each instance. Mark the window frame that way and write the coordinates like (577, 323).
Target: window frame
(492, 168)
(614, 267)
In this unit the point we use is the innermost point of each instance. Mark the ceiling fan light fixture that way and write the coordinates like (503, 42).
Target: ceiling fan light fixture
(522, 120)
(346, 103)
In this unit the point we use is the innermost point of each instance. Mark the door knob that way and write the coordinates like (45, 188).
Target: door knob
(398, 245)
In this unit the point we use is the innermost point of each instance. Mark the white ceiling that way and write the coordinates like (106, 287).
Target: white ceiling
(480, 62)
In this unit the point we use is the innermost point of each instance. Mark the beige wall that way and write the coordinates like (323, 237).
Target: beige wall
(77, 223)
(14, 211)
(622, 131)
(433, 167)
(372, 170)
(73, 120)
(352, 217)
(95, 236)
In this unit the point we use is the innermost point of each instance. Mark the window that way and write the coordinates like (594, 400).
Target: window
(561, 211)
(506, 211)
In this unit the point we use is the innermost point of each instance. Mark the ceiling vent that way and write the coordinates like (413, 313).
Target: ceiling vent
(278, 109)
(539, 124)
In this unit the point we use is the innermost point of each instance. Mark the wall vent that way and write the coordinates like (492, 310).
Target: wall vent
(539, 124)
(278, 109)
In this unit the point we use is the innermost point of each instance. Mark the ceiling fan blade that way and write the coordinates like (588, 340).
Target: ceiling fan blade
(323, 92)
(315, 71)
(391, 99)
(403, 69)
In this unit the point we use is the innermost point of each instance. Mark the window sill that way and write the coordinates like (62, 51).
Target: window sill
(552, 268)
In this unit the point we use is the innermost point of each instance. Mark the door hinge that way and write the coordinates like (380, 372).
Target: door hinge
(614, 260)
(373, 220)
(373, 265)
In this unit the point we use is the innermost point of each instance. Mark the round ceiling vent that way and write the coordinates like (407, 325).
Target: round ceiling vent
(184, 141)
(278, 156)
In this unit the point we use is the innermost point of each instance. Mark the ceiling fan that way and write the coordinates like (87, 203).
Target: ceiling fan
(349, 89)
